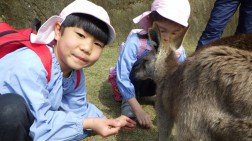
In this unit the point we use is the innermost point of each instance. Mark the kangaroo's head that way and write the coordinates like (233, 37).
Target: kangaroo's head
(162, 57)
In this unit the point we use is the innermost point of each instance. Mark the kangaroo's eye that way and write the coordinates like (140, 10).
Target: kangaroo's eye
(163, 31)
(173, 33)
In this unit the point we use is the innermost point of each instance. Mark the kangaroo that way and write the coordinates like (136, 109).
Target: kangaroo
(208, 97)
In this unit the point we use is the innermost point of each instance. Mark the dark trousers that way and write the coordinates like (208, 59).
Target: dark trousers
(142, 87)
(15, 118)
(221, 14)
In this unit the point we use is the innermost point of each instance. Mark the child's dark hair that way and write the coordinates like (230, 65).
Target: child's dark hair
(155, 16)
(90, 24)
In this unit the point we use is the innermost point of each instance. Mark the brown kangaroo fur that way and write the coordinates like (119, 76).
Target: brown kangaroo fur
(241, 41)
(209, 96)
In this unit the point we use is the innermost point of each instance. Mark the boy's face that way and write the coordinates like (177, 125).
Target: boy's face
(168, 28)
(76, 49)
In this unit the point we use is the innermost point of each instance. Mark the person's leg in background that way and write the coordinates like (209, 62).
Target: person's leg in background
(245, 17)
(221, 13)
(15, 118)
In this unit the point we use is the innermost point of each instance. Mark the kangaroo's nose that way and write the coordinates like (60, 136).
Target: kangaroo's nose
(165, 36)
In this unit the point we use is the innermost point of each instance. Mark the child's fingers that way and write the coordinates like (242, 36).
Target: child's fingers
(114, 123)
(145, 122)
(129, 120)
(128, 128)
(126, 121)
(110, 131)
(130, 125)
(114, 130)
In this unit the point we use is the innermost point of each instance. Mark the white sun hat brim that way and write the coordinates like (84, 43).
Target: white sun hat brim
(45, 34)
(175, 10)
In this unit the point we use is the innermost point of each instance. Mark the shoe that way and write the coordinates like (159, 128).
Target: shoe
(126, 110)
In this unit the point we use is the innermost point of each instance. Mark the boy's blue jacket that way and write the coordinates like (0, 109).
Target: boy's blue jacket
(57, 106)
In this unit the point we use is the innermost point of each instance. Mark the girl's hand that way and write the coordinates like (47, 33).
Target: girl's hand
(126, 122)
(143, 118)
(103, 126)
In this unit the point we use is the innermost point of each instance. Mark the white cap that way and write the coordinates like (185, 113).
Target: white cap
(175, 10)
(46, 33)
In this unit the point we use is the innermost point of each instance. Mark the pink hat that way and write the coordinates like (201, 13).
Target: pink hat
(46, 33)
(175, 10)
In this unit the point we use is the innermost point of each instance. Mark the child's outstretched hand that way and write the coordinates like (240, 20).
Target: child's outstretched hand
(126, 122)
(106, 127)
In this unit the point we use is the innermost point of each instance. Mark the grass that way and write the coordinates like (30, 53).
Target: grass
(100, 94)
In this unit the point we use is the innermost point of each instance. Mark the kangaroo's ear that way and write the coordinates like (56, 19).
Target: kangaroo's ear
(155, 36)
(179, 37)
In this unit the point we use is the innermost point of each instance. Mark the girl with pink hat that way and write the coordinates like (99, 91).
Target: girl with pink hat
(34, 109)
(171, 16)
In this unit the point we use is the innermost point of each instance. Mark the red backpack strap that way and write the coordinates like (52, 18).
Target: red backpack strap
(44, 54)
(78, 77)
(11, 39)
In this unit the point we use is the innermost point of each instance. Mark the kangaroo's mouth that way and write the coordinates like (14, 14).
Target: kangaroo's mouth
(138, 72)
(143, 73)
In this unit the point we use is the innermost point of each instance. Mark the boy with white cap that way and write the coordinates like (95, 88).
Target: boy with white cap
(34, 109)
(171, 16)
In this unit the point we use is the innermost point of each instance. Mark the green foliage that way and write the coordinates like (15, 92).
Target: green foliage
(21, 13)
(121, 13)
(2, 18)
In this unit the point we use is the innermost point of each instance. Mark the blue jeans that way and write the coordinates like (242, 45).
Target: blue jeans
(221, 14)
